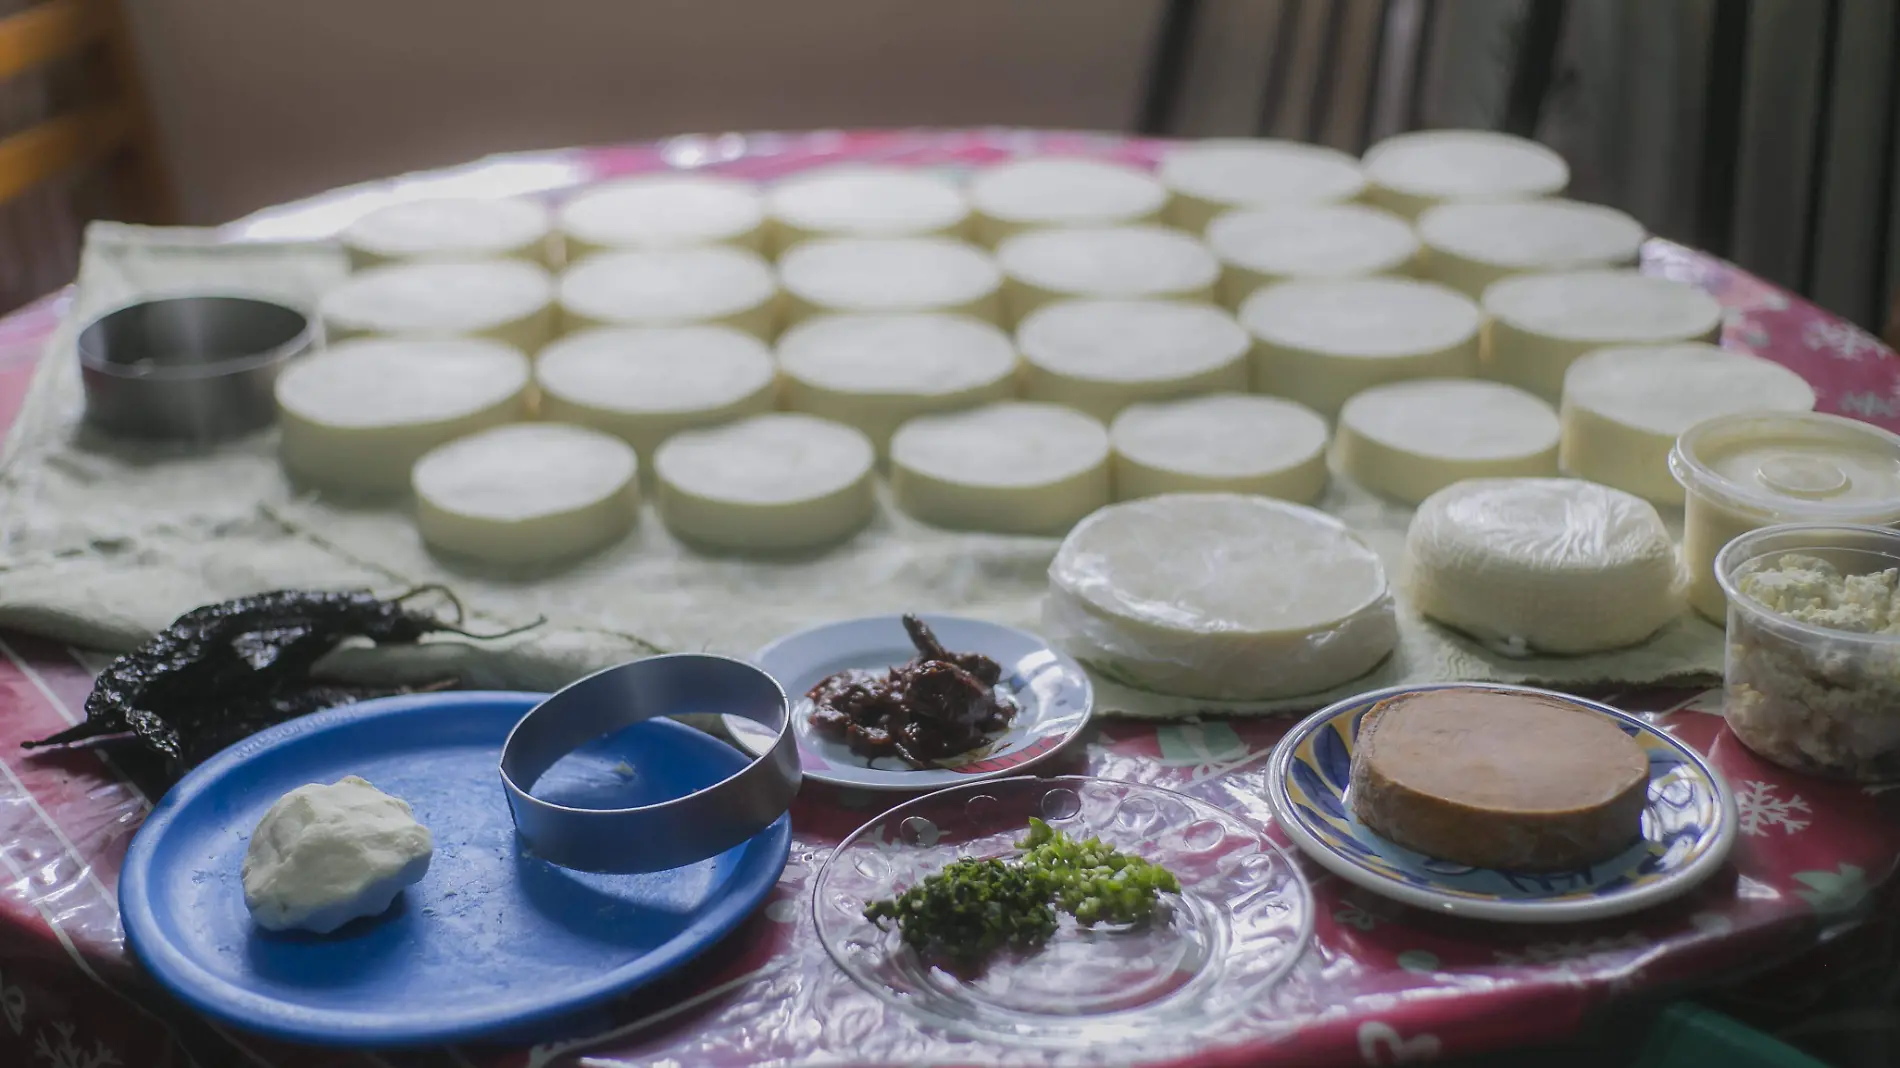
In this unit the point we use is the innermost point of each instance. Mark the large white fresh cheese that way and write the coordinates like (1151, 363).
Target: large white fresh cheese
(664, 211)
(642, 384)
(1218, 175)
(1413, 171)
(328, 854)
(450, 229)
(772, 483)
(357, 416)
(853, 200)
(1549, 565)
(1030, 193)
(1322, 341)
(1624, 407)
(884, 275)
(1117, 262)
(1100, 356)
(672, 287)
(1469, 246)
(875, 371)
(1542, 322)
(1409, 440)
(1220, 596)
(508, 300)
(527, 494)
(1260, 246)
(1017, 467)
(1222, 442)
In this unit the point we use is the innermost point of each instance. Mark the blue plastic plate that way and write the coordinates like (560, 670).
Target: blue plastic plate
(489, 941)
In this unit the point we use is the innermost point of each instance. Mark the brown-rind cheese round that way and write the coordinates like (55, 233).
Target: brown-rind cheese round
(1499, 779)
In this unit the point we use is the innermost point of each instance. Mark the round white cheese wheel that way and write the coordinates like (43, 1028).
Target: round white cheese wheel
(1220, 443)
(1413, 171)
(358, 415)
(1213, 176)
(772, 483)
(672, 287)
(1548, 565)
(642, 384)
(875, 371)
(1220, 596)
(1624, 407)
(1107, 261)
(1030, 193)
(1016, 468)
(1470, 246)
(1542, 322)
(1321, 341)
(900, 274)
(664, 211)
(508, 300)
(451, 229)
(528, 493)
(1409, 440)
(865, 201)
(1102, 355)
(1261, 246)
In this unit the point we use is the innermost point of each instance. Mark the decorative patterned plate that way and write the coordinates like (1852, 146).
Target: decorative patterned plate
(1052, 695)
(1689, 827)
(1241, 920)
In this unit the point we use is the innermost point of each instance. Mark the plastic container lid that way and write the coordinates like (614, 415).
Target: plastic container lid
(1791, 465)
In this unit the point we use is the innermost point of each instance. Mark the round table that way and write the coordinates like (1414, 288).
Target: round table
(1380, 983)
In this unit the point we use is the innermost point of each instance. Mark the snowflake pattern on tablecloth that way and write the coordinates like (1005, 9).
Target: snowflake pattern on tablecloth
(1381, 1043)
(1569, 955)
(1830, 892)
(1843, 341)
(67, 1053)
(1352, 914)
(1761, 811)
(1867, 406)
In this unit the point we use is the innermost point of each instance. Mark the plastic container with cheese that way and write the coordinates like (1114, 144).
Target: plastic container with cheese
(1812, 679)
(1750, 470)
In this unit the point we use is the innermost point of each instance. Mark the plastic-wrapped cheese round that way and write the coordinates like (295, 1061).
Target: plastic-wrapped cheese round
(1549, 565)
(672, 287)
(1117, 262)
(1017, 467)
(1030, 193)
(358, 415)
(885, 275)
(1322, 341)
(664, 211)
(1623, 408)
(1100, 356)
(1220, 596)
(529, 493)
(865, 201)
(1542, 322)
(875, 371)
(643, 384)
(1265, 245)
(1470, 246)
(1220, 443)
(509, 300)
(773, 483)
(1413, 171)
(449, 229)
(1217, 175)
(1409, 440)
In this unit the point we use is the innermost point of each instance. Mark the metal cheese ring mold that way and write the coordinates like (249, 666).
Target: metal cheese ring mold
(672, 833)
(193, 369)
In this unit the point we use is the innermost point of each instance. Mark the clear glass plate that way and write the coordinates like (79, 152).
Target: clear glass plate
(1241, 920)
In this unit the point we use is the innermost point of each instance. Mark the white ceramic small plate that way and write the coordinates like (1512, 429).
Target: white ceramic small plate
(1052, 695)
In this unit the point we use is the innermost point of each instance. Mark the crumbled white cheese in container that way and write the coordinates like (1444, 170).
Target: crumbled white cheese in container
(1813, 673)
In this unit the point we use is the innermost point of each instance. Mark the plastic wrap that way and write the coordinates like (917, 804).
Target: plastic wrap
(1547, 564)
(1220, 596)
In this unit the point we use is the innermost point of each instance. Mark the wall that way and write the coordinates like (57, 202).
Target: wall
(266, 100)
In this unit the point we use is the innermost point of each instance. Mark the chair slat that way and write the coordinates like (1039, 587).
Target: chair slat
(57, 146)
(46, 33)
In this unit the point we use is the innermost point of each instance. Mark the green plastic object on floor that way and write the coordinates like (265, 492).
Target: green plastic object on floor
(1690, 1036)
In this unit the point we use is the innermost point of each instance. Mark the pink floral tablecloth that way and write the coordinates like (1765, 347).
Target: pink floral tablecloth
(1380, 984)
